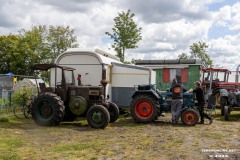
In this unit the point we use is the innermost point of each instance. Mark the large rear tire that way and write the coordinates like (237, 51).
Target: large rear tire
(144, 108)
(113, 111)
(48, 109)
(190, 117)
(98, 117)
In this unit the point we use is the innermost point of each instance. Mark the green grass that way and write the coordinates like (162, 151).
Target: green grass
(23, 139)
(4, 119)
(72, 147)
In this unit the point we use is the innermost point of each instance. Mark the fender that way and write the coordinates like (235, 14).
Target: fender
(140, 92)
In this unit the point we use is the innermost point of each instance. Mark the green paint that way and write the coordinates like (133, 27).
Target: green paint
(97, 117)
(45, 111)
(193, 75)
(78, 105)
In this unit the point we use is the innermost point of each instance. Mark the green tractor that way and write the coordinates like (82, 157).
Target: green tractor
(65, 101)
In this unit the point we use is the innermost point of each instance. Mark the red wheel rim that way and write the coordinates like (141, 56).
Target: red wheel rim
(144, 109)
(189, 117)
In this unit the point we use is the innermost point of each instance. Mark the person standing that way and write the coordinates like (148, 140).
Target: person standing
(201, 102)
(177, 101)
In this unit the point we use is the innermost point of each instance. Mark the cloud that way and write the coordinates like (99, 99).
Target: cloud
(169, 27)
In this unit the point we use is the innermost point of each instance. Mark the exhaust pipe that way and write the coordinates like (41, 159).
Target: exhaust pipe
(104, 81)
(237, 74)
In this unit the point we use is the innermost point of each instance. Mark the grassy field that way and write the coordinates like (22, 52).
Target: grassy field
(23, 139)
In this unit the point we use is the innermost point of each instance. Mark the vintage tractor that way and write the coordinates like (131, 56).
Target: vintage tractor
(215, 83)
(64, 101)
(148, 103)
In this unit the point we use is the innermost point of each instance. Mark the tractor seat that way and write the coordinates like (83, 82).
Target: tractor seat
(42, 87)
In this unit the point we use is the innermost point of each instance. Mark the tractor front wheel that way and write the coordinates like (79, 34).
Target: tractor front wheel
(98, 117)
(114, 112)
(144, 108)
(190, 117)
(226, 113)
(47, 109)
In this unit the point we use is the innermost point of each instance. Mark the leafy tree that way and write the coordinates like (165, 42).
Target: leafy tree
(40, 44)
(50, 41)
(60, 39)
(8, 48)
(126, 33)
(183, 56)
(134, 61)
(198, 50)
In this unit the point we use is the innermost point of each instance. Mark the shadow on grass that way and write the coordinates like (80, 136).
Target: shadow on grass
(232, 118)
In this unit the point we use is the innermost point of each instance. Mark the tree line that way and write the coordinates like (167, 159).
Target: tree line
(39, 44)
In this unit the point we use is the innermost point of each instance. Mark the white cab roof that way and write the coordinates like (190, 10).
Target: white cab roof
(104, 57)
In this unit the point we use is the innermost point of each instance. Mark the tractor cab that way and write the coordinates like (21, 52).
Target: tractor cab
(213, 78)
(60, 80)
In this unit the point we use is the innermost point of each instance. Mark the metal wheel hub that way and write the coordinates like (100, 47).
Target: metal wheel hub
(46, 109)
(97, 117)
(189, 117)
(144, 109)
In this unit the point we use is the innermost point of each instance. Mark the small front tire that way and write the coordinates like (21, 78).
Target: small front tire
(98, 117)
(114, 111)
(190, 117)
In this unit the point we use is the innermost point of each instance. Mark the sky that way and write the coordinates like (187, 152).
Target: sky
(169, 27)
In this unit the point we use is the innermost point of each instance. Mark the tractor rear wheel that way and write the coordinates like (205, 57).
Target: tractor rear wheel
(226, 113)
(144, 108)
(223, 104)
(48, 109)
(190, 117)
(114, 111)
(98, 117)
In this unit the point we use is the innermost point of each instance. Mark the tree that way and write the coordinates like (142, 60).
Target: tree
(60, 39)
(40, 44)
(125, 34)
(50, 41)
(183, 56)
(8, 47)
(198, 50)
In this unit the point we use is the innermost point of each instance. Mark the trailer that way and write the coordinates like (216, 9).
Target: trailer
(89, 65)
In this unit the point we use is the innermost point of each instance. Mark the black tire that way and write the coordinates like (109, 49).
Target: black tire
(47, 109)
(190, 117)
(18, 111)
(98, 117)
(113, 111)
(223, 104)
(226, 113)
(144, 109)
(26, 111)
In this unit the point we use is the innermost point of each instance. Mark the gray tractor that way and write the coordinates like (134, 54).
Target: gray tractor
(65, 101)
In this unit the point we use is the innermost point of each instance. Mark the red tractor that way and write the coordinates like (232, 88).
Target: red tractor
(215, 83)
